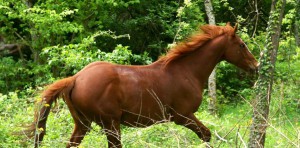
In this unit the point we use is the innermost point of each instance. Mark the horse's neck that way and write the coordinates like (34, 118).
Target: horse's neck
(202, 61)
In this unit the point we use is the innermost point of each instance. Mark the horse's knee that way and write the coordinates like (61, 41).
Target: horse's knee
(179, 122)
(195, 125)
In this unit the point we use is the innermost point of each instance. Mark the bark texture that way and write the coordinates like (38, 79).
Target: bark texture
(212, 107)
(296, 24)
(265, 81)
(34, 37)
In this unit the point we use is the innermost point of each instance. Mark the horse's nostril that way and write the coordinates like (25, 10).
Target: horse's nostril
(253, 67)
(257, 64)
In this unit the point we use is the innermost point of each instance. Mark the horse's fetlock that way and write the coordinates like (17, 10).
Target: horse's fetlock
(207, 136)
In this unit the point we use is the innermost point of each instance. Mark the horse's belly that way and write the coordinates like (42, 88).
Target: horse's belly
(143, 119)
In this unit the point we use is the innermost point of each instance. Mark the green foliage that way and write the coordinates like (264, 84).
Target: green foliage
(232, 83)
(15, 75)
(69, 59)
(288, 51)
(288, 73)
(12, 109)
(39, 26)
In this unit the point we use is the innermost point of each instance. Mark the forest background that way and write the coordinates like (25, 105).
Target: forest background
(42, 41)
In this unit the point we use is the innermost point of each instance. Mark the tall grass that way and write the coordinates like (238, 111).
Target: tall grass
(230, 129)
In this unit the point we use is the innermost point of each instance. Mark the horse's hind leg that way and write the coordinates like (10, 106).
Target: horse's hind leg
(82, 126)
(112, 131)
(195, 125)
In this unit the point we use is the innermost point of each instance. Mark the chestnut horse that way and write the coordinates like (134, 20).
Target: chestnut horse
(169, 89)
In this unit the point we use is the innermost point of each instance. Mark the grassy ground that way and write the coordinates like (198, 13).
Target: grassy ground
(229, 130)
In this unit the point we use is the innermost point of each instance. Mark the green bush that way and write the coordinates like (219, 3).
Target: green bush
(69, 59)
(232, 83)
(17, 75)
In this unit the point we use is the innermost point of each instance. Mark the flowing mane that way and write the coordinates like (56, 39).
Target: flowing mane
(206, 33)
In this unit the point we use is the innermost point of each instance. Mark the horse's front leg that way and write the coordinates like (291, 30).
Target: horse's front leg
(195, 125)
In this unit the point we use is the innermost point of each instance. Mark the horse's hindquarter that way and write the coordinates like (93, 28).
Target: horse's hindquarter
(95, 93)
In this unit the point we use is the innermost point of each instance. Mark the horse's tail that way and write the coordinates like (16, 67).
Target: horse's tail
(61, 88)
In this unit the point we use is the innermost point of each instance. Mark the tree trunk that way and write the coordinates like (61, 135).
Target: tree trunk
(212, 107)
(296, 33)
(263, 87)
(296, 24)
(34, 37)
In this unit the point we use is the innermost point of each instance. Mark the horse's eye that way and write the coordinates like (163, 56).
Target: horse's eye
(242, 45)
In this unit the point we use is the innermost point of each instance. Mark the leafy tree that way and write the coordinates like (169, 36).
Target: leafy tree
(266, 76)
(212, 78)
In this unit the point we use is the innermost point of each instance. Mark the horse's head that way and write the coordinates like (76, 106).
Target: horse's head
(237, 52)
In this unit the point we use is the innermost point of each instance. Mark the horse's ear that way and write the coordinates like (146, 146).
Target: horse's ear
(228, 24)
(235, 28)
